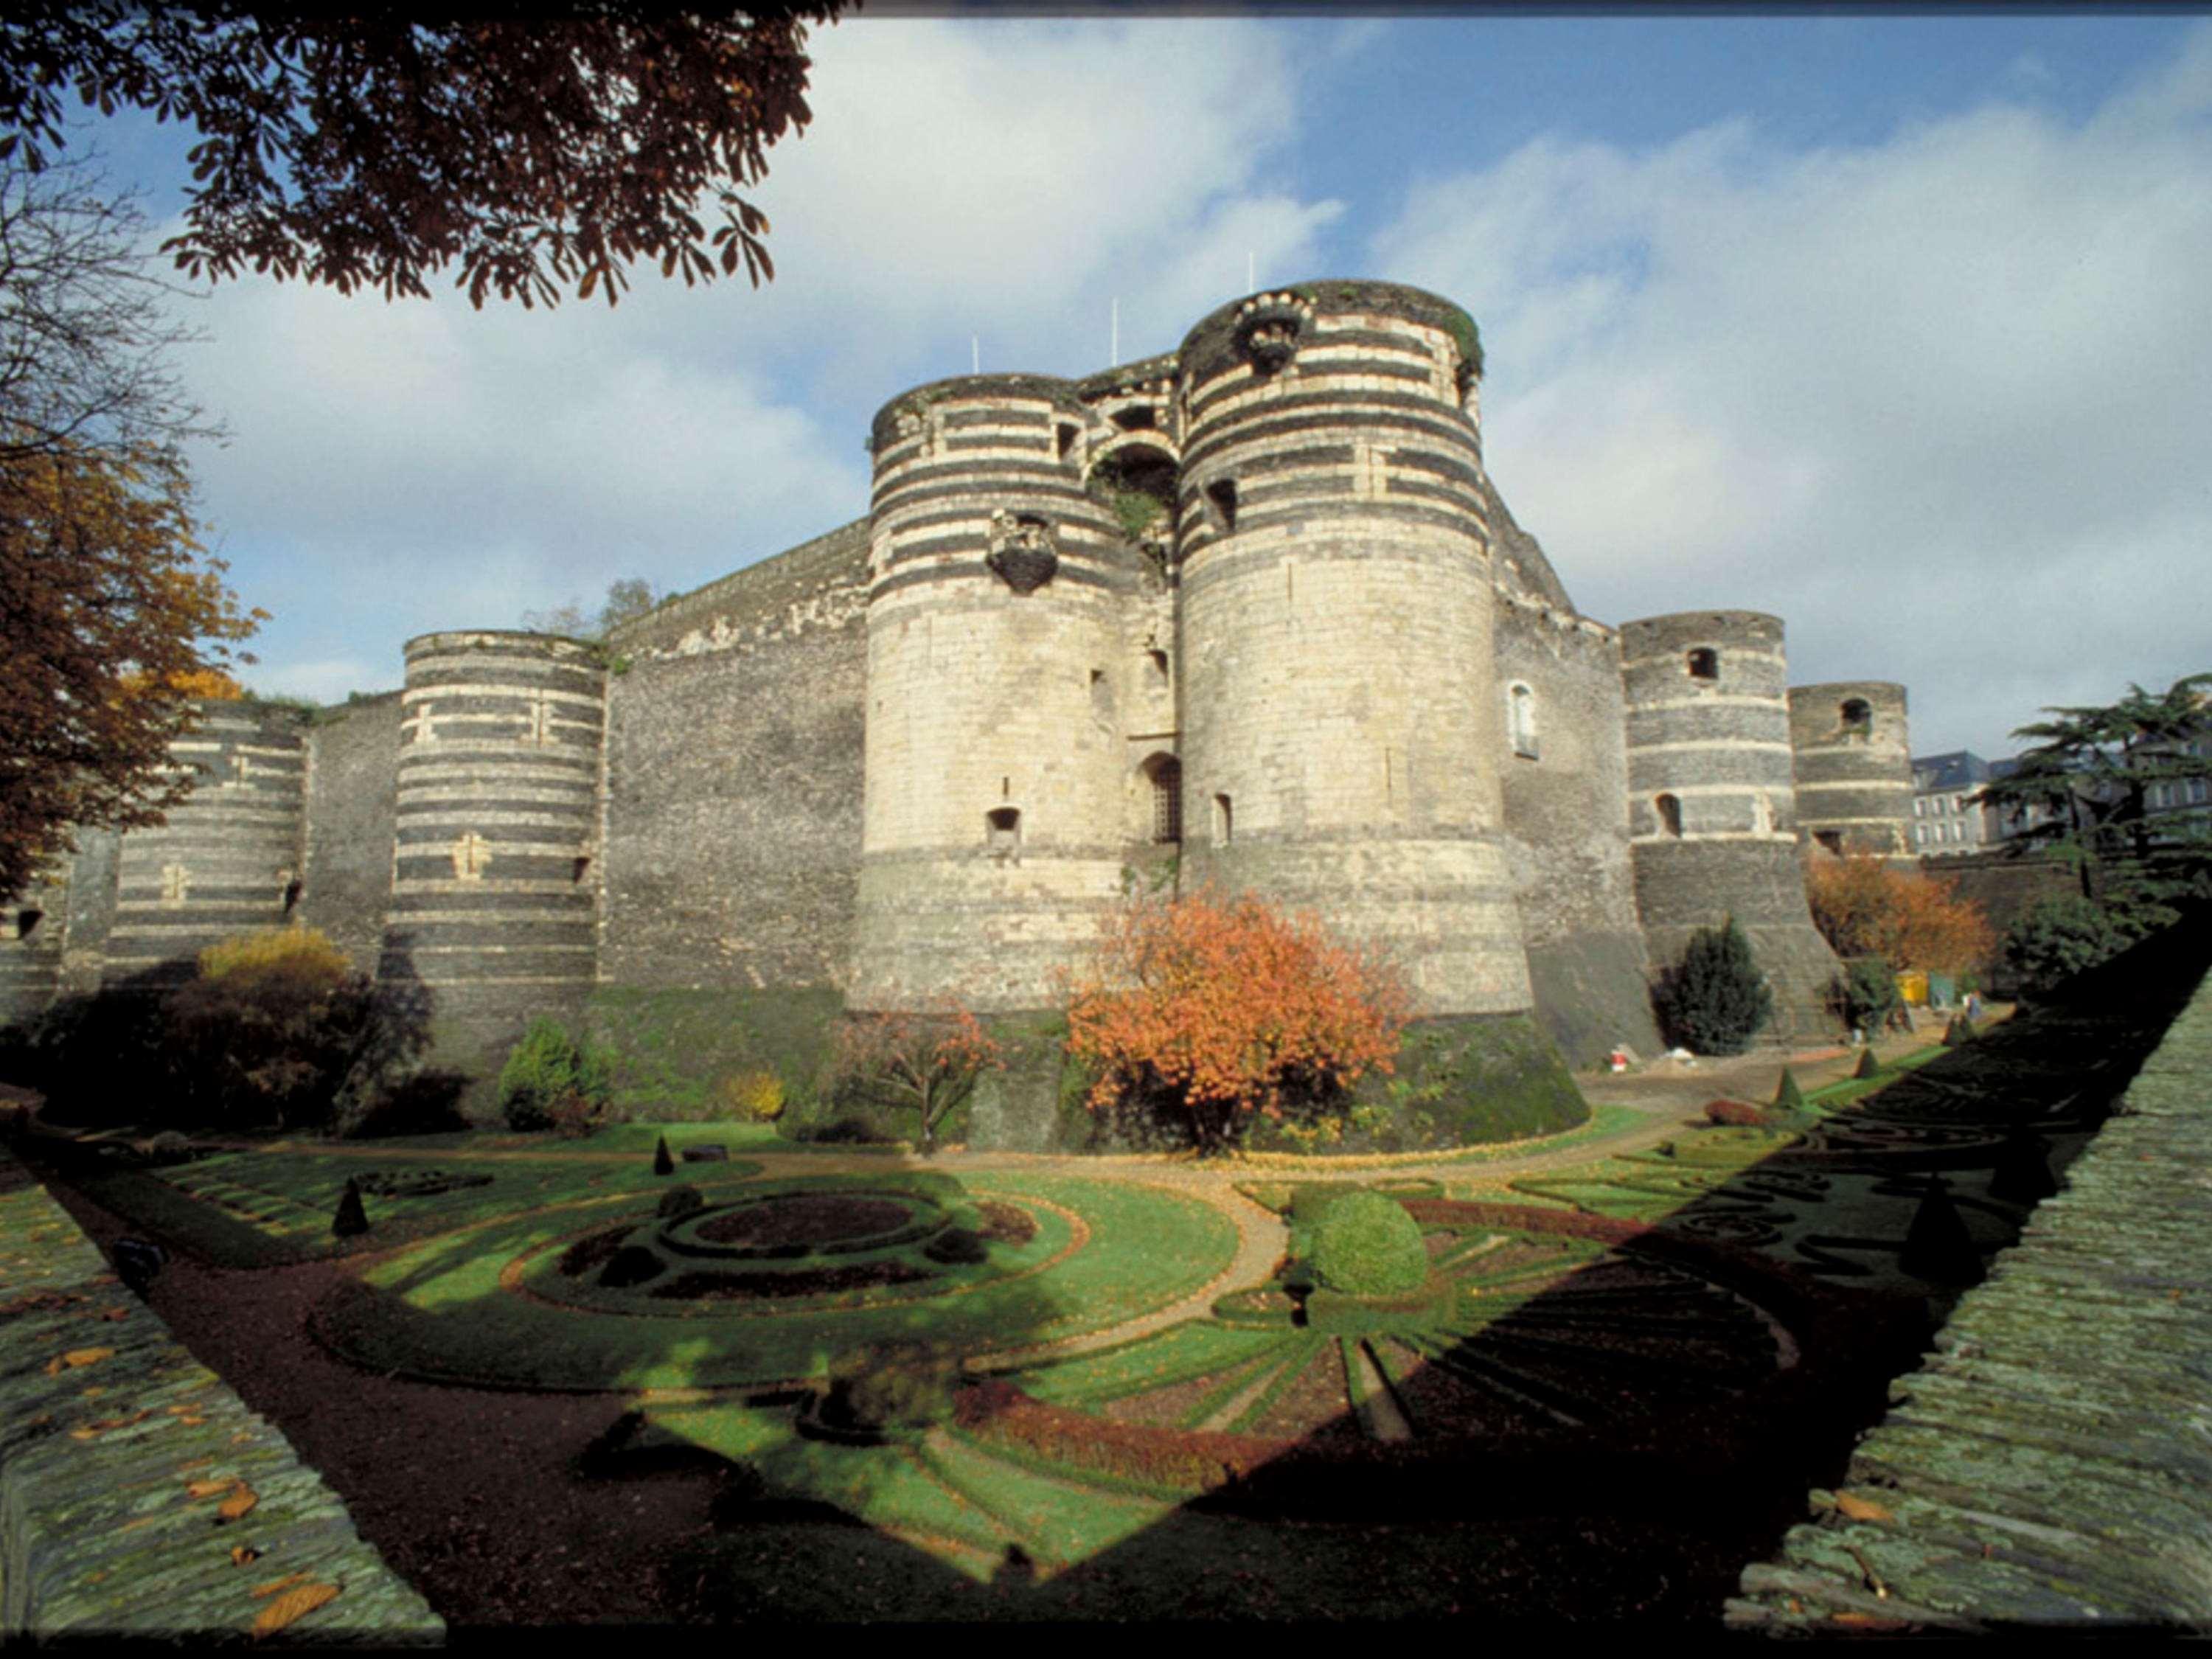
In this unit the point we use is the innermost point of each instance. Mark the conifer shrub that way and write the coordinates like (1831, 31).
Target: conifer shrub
(352, 1217)
(2059, 936)
(552, 1081)
(1365, 1244)
(1868, 1065)
(662, 1163)
(1863, 997)
(1787, 1095)
(1715, 1000)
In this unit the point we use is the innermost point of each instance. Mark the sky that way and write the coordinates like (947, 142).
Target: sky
(1894, 326)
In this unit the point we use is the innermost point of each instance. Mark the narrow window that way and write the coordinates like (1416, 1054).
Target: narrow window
(1068, 437)
(1222, 492)
(1830, 839)
(1165, 772)
(1520, 719)
(1102, 695)
(1858, 717)
(293, 888)
(27, 922)
(1221, 820)
(581, 868)
(1159, 662)
(1705, 664)
(1138, 418)
(1003, 828)
(1670, 814)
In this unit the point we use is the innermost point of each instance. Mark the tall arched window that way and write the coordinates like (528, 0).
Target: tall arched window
(1670, 814)
(1858, 717)
(1705, 664)
(1002, 831)
(1164, 774)
(1520, 719)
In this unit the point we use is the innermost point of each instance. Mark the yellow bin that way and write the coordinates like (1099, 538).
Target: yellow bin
(1913, 988)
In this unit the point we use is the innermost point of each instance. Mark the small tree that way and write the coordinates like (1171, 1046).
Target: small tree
(1714, 1000)
(925, 1063)
(1866, 908)
(1216, 1009)
(2059, 936)
(269, 1029)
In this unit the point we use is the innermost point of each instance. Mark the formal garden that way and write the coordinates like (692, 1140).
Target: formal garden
(1586, 1376)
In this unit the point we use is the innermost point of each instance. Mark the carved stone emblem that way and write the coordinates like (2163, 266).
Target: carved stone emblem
(1022, 554)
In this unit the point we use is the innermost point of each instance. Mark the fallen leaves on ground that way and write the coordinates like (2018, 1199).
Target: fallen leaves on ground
(296, 1605)
(242, 1498)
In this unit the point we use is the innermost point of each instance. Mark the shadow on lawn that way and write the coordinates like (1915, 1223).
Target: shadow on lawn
(1652, 1503)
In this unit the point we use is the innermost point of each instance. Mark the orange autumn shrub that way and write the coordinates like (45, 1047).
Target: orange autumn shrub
(1215, 1009)
(1867, 908)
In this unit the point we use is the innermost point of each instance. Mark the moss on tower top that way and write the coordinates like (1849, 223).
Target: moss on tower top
(1208, 348)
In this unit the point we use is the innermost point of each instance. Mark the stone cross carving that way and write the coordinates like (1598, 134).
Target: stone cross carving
(1371, 469)
(538, 724)
(426, 730)
(176, 882)
(241, 773)
(471, 852)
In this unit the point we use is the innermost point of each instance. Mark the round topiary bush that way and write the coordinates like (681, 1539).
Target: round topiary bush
(679, 1201)
(1367, 1245)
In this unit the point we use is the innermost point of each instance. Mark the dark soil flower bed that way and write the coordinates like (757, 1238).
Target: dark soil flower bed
(590, 1253)
(806, 1219)
(705, 1285)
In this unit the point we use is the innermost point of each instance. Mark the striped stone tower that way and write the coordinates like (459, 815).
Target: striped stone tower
(495, 884)
(1854, 767)
(993, 823)
(1711, 804)
(1340, 728)
(228, 859)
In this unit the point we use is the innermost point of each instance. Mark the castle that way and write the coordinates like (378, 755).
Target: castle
(1251, 613)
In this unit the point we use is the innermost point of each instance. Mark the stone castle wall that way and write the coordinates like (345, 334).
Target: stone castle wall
(1251, 613)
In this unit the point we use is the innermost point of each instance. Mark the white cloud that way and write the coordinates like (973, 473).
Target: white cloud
(1937, 401)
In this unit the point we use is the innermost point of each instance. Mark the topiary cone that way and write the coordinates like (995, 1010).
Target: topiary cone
(1960, 1029)
(1937, 1246)
(662, 1163)
(1868, 1065)
(1788, 1096)
(352, 1220)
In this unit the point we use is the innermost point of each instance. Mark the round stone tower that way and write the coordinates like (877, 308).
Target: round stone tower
(1711, 805)
(495, 883)
(994, 821)
(1854, 767)
(1341, 731)
(228, 859)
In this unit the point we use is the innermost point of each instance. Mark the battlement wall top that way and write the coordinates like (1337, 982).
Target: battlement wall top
(756, 599)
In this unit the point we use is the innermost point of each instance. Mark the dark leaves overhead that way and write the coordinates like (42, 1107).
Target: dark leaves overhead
(537, 154)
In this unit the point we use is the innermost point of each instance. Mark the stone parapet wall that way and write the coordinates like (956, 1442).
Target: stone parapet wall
(118, 1452)
(2046, 1467)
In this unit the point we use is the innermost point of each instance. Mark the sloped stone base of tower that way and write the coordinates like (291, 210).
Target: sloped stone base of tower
(1593, 993)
